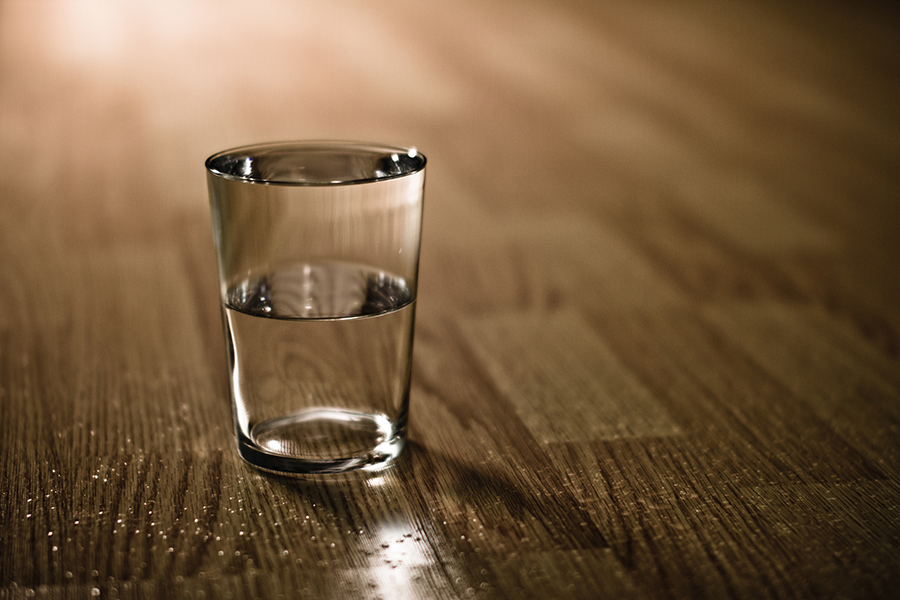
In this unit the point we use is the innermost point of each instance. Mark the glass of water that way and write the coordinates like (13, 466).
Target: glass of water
(318, 255)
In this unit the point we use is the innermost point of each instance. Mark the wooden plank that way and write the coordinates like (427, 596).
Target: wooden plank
(759, 427)
(844, 381)
(564, 383)
(480, 460)
(724, 539)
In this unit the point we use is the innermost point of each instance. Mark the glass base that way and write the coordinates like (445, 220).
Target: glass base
(321, 441)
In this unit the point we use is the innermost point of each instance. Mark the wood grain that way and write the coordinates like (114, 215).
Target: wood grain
(535, 359)
(657, 351)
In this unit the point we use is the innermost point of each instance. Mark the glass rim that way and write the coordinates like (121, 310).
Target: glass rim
(215, 163)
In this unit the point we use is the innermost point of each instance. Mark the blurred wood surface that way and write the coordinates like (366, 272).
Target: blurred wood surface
(658, 342)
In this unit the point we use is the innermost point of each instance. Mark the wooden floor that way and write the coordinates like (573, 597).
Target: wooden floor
(658, 342)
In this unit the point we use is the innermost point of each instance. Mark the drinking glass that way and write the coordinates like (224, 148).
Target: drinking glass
(318, 254)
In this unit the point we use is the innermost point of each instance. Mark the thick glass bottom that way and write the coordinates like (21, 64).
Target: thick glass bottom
(323, 440)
